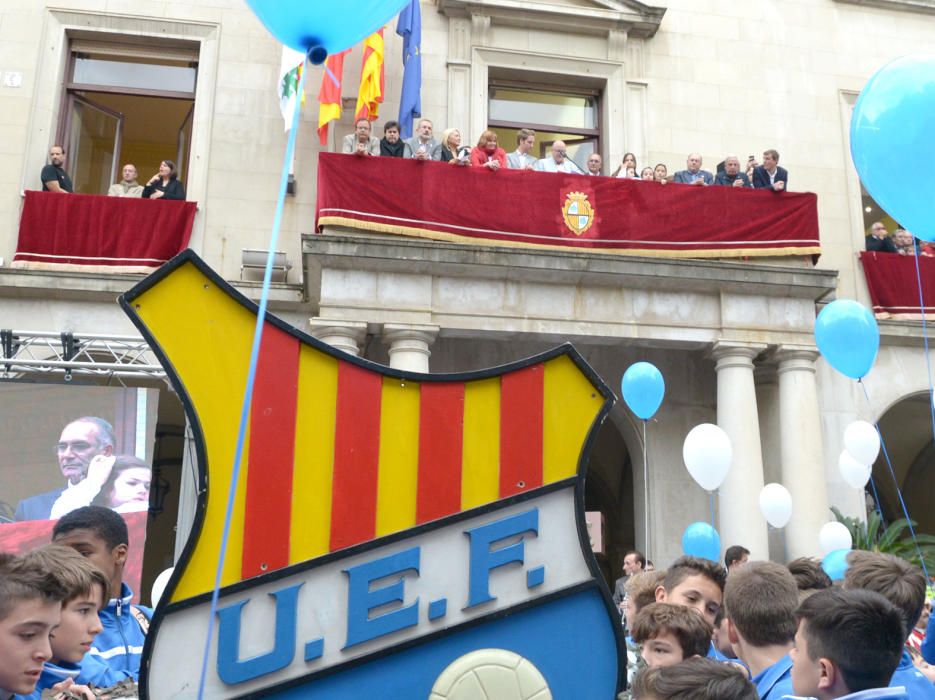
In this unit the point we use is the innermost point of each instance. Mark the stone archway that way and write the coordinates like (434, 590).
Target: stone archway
(907, 432)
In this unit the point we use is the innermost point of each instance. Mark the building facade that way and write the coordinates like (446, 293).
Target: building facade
(195, 82)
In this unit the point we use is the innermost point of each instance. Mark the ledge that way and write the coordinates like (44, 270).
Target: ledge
(923, 6)
(342, 249)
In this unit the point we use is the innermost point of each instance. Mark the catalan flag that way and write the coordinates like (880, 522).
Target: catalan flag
(329, 96)
(370, 94)
(341, 451)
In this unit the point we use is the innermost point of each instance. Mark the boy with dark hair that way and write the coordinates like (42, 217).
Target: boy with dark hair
(735, 556)
(669, 634)
(695, 583)
(693, 679)
(809, 576)
(903, 585)
(100, 535)
(847, 645)
(30, 607)
(85, 594)
(761, 599)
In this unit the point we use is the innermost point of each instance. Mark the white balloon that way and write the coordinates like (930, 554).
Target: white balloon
(862, 441)
(159, 586)
(776, 504)
(707, 453)
(834, 536)
(852, 471)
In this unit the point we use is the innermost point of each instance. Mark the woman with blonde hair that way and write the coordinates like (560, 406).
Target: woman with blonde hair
(452, 152)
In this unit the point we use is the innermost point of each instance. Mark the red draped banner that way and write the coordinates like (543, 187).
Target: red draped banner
(90, 233)
(894, 285)
(565, 212)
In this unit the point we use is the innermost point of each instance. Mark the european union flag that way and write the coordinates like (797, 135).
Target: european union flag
(409, 27)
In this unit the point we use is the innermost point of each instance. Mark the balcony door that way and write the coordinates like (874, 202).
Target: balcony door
(126, 103)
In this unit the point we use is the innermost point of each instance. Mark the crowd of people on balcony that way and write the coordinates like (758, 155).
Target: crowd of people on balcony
(489, 154)
(900, 242)
(162, 185)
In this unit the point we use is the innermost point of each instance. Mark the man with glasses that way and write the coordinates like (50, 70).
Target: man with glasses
(558, 162)
(879, 240)
(594, 164)
(81, 441)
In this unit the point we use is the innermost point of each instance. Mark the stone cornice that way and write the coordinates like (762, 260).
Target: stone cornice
(636, 18)
(923, 6)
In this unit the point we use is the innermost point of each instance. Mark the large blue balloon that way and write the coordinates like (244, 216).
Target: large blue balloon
(643, 388)
(835, 564)
(320, 28)
(848, 337)
(702, 540)
(892, 141)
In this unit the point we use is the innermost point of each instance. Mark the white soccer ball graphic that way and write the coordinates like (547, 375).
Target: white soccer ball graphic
(491, 674)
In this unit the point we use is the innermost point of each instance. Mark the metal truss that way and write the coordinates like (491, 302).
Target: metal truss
(25, 354)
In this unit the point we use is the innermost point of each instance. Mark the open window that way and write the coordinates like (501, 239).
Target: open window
(126, 103)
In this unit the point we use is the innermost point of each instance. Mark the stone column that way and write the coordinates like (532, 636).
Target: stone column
(802, 454)
(409, 345)
(344, 335)
(740, 520)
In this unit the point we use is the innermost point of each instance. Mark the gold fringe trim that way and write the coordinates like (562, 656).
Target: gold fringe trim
(92, 269)
(635, 252)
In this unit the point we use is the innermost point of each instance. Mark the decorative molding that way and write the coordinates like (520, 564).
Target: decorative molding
(923, 6)
(602, 16)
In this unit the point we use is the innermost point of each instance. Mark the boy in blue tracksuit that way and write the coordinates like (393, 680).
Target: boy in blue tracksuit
(903, 585)
(847, 645)
(70, 665)
(100, 535)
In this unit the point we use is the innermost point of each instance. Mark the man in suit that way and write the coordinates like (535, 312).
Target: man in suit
(633, 563)
(558, 162)
(81, 441)
(423, 145)
(521, 158)
(693, 174)
(731, 175)
(361, 142)
(770, 176)
(594, 164)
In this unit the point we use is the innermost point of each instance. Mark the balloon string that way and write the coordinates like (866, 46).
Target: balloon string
(711, 493)
(899, 493)
(646, 490)
(251, 375)
(334, 78)
(925, 341)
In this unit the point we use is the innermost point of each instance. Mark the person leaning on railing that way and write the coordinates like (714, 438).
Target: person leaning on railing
(164, 184)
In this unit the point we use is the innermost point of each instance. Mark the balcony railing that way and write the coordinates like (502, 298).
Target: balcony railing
(562, 212)
(91, 233)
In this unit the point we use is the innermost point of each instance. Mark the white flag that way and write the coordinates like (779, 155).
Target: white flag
(292, 61)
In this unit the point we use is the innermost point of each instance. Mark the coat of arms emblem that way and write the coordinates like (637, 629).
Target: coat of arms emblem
(395, 535)
(577, 212)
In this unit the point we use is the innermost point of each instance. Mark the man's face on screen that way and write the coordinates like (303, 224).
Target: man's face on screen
(78, 444)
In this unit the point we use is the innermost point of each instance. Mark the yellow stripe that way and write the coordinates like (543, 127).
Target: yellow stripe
(328, 112)
(397, 482)
(480, 471)
(207, 336)
(570, 405)
(314, 455)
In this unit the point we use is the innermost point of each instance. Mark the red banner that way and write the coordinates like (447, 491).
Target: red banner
(21, 537)
(558, 211)
(91, 233)
(894, 285)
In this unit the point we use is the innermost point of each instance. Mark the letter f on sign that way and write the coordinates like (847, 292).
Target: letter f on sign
(484, 559)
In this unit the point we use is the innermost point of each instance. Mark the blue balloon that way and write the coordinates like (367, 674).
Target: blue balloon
(848, 337)
(319, 28)
(702, 540)
(643, 388)
(835, 564)
(892, 143)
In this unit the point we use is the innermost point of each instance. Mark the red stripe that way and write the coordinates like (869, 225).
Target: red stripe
(521, 395)
(267, 519)
(356, 456)
(441, 427)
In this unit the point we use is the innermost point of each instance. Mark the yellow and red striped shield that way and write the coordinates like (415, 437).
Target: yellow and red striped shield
(340, 451)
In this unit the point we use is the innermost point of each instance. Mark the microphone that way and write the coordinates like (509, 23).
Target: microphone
(571, 160)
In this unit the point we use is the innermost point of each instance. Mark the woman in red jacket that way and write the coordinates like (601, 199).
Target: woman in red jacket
(487, 154)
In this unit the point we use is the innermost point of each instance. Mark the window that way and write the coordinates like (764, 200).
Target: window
(569, 116)
(126, 103)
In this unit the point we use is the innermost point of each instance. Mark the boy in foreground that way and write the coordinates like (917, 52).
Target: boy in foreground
(100, 535)
(847, 645)
(30, 607)
(85, 595)
(693, 679)
(669, 634)
(695, 583)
